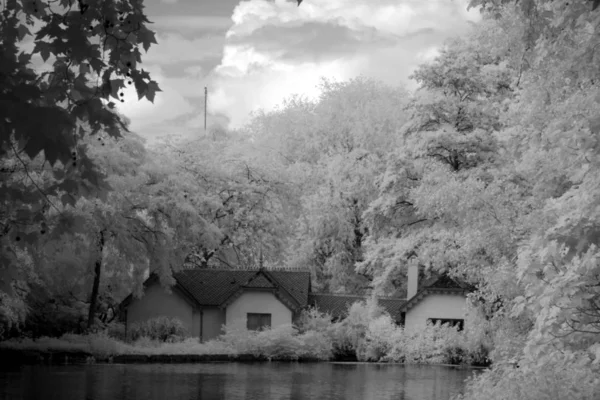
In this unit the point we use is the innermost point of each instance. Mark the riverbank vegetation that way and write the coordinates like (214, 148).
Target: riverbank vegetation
(367, 334)
(489, 171)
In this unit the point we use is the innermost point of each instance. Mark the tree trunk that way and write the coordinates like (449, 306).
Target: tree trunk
(96, 285)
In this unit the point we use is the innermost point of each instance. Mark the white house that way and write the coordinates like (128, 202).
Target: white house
(206, 299)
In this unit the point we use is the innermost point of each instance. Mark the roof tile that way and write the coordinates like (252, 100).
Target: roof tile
(212, 287)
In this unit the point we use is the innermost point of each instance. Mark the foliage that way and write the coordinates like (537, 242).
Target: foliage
(565, 376)
(94, 52)
(279, 343)
(355, 334)
(332, 150)
(311, 319)
(239, 199)
(380, 341)
(61, 63)
(162, 329)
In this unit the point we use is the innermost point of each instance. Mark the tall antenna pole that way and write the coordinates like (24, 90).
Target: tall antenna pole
(205, 101)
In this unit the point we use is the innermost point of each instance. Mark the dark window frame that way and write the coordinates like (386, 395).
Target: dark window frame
(258, 321)
(450, 321)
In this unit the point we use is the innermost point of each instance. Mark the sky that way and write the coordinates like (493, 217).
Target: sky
(253, 54)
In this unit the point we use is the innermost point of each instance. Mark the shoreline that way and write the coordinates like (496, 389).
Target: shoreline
(18, 357)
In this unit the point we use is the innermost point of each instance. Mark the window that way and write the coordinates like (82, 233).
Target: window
(256, 322)
(452, 322)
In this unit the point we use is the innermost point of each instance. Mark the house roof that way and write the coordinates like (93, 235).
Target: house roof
(337, 305)
(214, 287)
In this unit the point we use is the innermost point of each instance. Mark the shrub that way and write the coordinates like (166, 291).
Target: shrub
(381, 332)
(313, 320)
(553, 376)
(101, 345)
(363, 332)
(433, 344)
(279, 343)
(116, 330)
(162, 329)
(55, 319)
(316, 345)
(12, 313)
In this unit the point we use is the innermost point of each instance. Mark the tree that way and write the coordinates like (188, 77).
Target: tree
(53, 96)
(332, 149)
(241, 195)
(438, 202)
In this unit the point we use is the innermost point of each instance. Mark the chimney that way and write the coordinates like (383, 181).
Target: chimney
(413, 280)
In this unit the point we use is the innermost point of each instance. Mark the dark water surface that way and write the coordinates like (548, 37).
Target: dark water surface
(232, 381)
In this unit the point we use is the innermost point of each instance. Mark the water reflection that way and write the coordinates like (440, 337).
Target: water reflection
(232, 381)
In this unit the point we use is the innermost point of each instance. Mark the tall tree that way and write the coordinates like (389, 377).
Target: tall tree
(63, 64)
(444, 171)
(333, 148)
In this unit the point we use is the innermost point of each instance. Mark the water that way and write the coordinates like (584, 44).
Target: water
(232, 381)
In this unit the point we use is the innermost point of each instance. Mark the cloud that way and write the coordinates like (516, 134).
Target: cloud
(275, 49)
(311, 41)
(237, 93)
(155, 118)
(191, 23)
(173, 48)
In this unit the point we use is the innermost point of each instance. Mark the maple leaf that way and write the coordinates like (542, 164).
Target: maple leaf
(141, 87)
(50, 132)
(146, 37)
(151, 90)
(97, 64)
(44, 49)
(22, 31)
(115, 86)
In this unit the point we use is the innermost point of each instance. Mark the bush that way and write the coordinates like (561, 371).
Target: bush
(315, 345)
(116, 330)
(101, 345)
(313, 320)
(55, 319)
(12, 313)
(434, 344)
(553, 376)
(162, 329)
(279, 343)
(366, 332)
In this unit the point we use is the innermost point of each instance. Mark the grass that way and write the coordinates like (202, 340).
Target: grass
(102, 346)
(278, 344)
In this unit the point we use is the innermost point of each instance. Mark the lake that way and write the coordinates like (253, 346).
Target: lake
(232, 381)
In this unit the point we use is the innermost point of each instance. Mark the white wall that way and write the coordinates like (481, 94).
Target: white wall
(157, 302)
(257, 302)
(448, 306)
(213, 319)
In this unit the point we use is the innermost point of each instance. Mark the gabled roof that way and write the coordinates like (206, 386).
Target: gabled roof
(337, 305)
(259, 281)
(214, 287)
(438, 284)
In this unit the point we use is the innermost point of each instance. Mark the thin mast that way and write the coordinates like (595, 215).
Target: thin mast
(205, 101)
